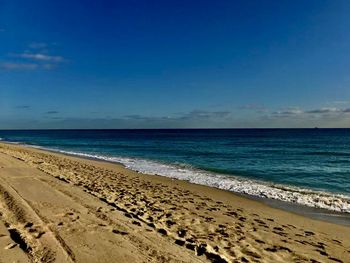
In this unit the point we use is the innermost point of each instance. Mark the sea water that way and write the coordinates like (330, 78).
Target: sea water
(310, 167)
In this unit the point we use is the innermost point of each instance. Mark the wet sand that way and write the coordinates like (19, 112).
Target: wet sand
(58, 208)
(311, 212)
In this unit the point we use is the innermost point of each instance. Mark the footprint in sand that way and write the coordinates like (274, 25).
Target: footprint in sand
(10, 246)
(277, 248)
(335, 259)
(118, 232)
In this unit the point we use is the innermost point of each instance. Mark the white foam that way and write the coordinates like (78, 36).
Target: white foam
(317, 199)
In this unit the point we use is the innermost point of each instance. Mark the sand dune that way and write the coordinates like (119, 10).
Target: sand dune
(56, 208)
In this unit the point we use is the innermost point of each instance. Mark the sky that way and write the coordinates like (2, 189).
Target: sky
(174, 64)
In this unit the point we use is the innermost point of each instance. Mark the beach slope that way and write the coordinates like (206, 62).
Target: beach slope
(57, 208)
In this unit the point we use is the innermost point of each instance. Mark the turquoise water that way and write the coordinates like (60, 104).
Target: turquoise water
(306, 166)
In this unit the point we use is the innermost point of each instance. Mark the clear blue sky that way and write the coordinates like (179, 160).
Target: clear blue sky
(168, 64)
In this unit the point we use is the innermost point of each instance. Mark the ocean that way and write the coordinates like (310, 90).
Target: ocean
(309, 167)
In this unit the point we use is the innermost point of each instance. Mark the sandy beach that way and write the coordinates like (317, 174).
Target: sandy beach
(58, 208)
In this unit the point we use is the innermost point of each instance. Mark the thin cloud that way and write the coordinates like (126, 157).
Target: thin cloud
(26, 66)
(192, 115)
(315, 112)
(324, 110)
(135, 117)
(200, 114)
(288, 112)
(23, 107)
(37, 57)
(192, 119)
(18, 66)
(329, 110)
(41, 57)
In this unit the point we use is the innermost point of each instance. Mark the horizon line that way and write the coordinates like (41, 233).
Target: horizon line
(111, 129)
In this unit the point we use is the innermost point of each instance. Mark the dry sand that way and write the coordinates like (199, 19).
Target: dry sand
(57, 208)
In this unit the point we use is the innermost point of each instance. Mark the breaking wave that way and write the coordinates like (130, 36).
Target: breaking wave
(302, 196)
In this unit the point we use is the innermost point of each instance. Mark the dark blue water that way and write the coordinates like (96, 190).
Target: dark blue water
(316, 159)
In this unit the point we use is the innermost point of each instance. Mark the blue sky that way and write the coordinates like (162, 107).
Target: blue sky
(174, 64)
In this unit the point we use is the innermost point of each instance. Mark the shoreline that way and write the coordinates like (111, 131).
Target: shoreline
(295, 208)
(340, 218)
(322, 214)
(225, 222)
